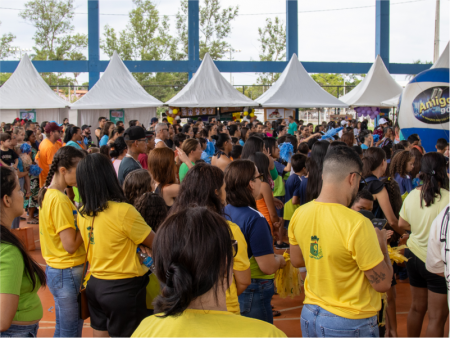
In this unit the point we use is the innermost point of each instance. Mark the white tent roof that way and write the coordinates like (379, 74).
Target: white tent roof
(296, 89)
(117, 88)
(443, 61)
(208, 88)
(26, 89)
(375, 88)
(392, 102)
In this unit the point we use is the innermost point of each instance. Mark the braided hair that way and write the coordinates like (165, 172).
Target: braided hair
(9, 181)
(65, 157)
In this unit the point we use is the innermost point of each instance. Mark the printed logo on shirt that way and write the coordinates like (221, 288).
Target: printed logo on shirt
(91, 236)
(315, 249)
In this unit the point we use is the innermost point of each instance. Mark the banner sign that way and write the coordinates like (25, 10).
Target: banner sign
(432, 106)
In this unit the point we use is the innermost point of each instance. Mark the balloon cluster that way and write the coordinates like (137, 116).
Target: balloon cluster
(249, 112)
(372, 112)
(174, 111)
(236, 116)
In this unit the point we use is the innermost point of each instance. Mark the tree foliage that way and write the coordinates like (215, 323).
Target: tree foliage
(5, 44)
(273, 47)
(335, 80)
(214, 27)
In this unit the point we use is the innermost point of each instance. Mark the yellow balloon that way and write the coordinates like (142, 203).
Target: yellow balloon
(170, 119)
(252, 115)
(175, 111)
(245, 113)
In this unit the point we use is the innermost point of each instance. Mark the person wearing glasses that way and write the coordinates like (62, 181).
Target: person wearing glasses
(136, 141)
(161, 135)
(243, 185)
(195, 272)
(346, 257)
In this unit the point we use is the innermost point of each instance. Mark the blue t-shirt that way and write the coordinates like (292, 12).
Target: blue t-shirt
(301, 191)
(254, 227)
(292, 185)
(280, 168)
(104, 141)
(74, 144)
(363, 146)
(405, 183)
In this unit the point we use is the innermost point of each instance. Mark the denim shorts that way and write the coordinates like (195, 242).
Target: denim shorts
(317, 322)
(255, 300)
(21, 331)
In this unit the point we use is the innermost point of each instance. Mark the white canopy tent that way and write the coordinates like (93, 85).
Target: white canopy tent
(209, 89)
(443, 61)
(296, 89)
(26, 89)
(116, 89)
(376, 87)
(392, 102)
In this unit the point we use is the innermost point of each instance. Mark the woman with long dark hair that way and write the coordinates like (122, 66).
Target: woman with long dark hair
(222, 157)
(420, 208)
(105, 132)
(193, 253)
(61, 241)
(242, 186)
(20, 276)
(243, 138)
(73, 137)
(119, 150)
(204, 186)
(256, 144)
(314, 186)
(112, 229)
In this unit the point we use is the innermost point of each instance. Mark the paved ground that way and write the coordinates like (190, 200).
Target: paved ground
(288, 322)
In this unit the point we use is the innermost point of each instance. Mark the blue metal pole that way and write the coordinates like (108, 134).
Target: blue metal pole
(93, 41)
(291, 28)
(193, 36)
(382, 19)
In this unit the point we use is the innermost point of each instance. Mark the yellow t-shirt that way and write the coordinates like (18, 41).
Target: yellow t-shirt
(420, 219)
(338, 245)
(118, 231)
(56, 215)
(240, 263)
(201, 323)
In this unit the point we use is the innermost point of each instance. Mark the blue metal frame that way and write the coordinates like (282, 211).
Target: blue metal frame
(94, 66)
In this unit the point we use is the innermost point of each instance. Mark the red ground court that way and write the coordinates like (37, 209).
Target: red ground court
(290, 309)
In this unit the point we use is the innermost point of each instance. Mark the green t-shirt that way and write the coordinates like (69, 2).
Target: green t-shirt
(279, 189)
(256, 272)
(183, 171)
(274, 173)
(292, 128)
(15, 280)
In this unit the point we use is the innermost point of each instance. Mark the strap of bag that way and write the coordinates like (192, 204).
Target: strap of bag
(87, 252)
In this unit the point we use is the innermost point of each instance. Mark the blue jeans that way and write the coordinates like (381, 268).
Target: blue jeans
(64, 284)
(255, 300)
(21, 331)
(317, 322)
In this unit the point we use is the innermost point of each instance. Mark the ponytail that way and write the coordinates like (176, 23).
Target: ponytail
(64, 158)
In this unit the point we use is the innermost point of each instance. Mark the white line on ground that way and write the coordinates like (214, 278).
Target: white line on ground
(290, 308)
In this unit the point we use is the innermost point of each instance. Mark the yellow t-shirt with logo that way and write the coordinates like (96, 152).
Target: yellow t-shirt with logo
(240, 263)
(338, 244)
(118, 231)
(204, 323)
(56, 215)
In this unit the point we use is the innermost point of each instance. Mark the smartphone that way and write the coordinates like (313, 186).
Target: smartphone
(379, 223)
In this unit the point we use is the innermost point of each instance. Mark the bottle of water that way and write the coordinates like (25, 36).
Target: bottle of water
(148, 260)
(75, 219)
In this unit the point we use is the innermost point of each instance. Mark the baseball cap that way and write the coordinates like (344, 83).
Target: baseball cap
(134, 133)
(343, 123)
(84, 126)
(382, 121)
(149, 134)
(153, 120)
(52, 126)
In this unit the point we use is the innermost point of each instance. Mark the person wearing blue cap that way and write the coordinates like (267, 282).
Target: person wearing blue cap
(153, 123)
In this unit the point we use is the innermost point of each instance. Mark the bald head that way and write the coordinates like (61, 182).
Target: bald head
(339, 162)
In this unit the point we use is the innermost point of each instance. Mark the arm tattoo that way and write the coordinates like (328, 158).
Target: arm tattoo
(377, 277)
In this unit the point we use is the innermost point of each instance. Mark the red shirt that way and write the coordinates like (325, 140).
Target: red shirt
(143, 160)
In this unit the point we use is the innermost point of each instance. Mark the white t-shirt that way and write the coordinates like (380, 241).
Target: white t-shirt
(438, 240)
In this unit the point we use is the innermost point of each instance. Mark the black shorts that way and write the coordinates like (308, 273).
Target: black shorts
(117, 306)
(420, 277)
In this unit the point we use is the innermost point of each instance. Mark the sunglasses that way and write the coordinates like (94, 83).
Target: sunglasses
(362, 178)
(234, 245)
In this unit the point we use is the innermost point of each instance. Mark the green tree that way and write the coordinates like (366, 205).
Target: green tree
(53, 37)
(5, 44)
(146, 37)
(335, 80)
(215, 27)
(273, 47)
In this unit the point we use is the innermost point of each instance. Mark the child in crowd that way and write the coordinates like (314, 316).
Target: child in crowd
(8, 157)
(401, 165)
(442, 147)
(294, 196)
(236, 152)
(363, 201)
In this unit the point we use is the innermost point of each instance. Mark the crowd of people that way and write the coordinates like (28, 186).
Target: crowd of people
(182, 226)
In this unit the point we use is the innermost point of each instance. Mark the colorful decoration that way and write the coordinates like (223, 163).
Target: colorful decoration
(25, 148)
(395, 255)
(286, 151)
(175, 111)
(330, 133)
(287, 280)
(35, 170)
(372, 112)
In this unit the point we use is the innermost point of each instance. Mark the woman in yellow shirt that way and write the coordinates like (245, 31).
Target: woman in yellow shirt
(61, 242)
(193, 253)
(112, 229)
(204, 186)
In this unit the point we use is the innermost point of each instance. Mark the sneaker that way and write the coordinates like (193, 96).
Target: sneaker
(282, 246)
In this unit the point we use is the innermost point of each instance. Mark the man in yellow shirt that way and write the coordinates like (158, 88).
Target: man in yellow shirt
(341, 252)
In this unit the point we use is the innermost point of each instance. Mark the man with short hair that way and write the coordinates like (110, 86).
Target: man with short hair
(47, 150)
(98, 131)
(86, 133)
(30, 125)
(414, 140)
(346, 257)
(442, 146)
(119, 124)
(136, 141)
(212, 120)
(162, 134)
(259, 127)
(292, 126)
(134, 123)
(153, 123)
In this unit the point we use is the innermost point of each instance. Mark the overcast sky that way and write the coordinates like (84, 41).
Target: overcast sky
(328, 30)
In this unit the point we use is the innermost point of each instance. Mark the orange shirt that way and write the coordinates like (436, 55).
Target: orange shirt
(44, 158)
(262, 208)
